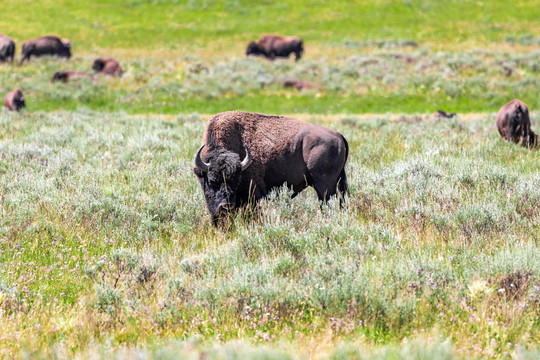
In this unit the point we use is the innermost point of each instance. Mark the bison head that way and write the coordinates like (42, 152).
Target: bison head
(67, 48)
(98, 65)
(253, 49)
(220, 174)
(59, 76)
(18, 99)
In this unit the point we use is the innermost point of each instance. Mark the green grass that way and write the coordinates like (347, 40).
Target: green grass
(106, 247)
(106, 243)
(192, 26)
(165, 46)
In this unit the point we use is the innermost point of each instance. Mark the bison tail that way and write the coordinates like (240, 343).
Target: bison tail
(343, 185)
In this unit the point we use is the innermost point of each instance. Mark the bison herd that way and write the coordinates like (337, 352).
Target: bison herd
(53, 46)
(245, 155)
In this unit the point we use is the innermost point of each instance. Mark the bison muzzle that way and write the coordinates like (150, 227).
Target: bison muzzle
(245, 155)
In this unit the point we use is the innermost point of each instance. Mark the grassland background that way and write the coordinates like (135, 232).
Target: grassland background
(106, 248)
(166, 42)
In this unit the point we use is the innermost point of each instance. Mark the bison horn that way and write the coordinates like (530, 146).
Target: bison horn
(199, 163)
(247, 160)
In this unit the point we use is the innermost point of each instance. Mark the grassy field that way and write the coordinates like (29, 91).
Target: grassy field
(106, 247)
(106, 244)
(188, 56)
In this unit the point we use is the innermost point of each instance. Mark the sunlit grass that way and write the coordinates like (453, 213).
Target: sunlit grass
(106, 242)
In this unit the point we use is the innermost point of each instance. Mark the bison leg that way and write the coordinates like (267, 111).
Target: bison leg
(511, 132)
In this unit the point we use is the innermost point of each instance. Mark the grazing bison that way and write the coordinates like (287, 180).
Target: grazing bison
(246, 155)
(69, 75)
(444, 114)
(514, 124)
(107, 66)
(7, 48)
(46, 45)
(272, 46)
(14, 101)
(298, 84)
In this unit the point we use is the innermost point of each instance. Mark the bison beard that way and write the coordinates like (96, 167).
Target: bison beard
(276, 150)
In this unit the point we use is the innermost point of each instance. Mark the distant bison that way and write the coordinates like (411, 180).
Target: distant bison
(272, 46)
(7, 48)
(514, 124)
(275, 150)
(46, 45)
(444, 114)
(298, 84)
(107, 67)
(69, 75)
(14, 101)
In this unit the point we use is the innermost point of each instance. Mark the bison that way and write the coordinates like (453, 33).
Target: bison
(514, 124)
(14, 101)
(7, 48)
(272, 46)
(298, 84)
(46, 45)
(107, 67)
(246, 155)
(443, 114)
(68, 75)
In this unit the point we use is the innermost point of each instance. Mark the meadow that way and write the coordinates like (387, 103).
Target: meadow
(107, 249)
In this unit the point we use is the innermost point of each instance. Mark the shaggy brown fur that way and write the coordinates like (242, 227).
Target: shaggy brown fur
(283, 150)
(14, 101)
(514, 124)
(7, 48)
(109, 67)
(69, 75)
(46, 45)
(272, 46)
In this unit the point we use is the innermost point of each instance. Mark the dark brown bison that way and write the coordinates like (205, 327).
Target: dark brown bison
(7, 48)
(46, 45)
(14, 101)
(272, 46)
(444, 114)
(298, 84)
(514, 124)
(107, 67)
(69, 75)
(246, 155)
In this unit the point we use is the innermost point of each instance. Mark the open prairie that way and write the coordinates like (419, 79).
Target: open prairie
(107, 249)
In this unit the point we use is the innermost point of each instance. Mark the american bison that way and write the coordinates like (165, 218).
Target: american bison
(107, 67)
(46, 45)
(14, 101)
(246, 155)
(7, 48)
(272, 46)
(444, 114)
(514, 124)
(298, 84)
(69, 75)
